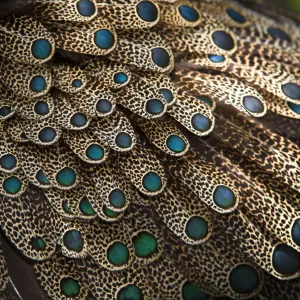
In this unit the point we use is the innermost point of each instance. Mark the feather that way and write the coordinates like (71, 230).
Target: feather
(149, 150)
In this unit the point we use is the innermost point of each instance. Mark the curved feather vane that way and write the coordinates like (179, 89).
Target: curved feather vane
(77, 11)
(30, 81)
(25, 40)
(132, 15)
(229, 90)
(150, 149)
(4, 272)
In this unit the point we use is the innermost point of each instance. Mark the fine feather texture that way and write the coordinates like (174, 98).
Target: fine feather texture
(149, 150)
(14, 6)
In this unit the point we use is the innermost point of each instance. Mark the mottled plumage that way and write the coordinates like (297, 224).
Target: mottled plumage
(149, 150)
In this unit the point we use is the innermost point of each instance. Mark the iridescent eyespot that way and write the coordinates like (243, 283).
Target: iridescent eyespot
(12, 185)
(234, 15)
(216, 58)
(69, 287)
(47, 135)
(160, 57)
(41, 108)
(188, 13)
(123, 140)
(294, 107)
(176, 144)
(154, 107)
(66, 177)
(201, 123)
(223, 40)
(244, 279)
(147, 11)
(104, 39)
(41, 49)
(86, 8)
(8, 161)
(79, 120)
(104, 106)
(152, 182)
(38, 84)
(118, 254)
(285, 260)
(73, 240)
(291, 90)
(253, 104)
(278, 34)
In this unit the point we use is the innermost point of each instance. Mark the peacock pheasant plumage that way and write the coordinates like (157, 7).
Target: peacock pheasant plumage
(149, 150)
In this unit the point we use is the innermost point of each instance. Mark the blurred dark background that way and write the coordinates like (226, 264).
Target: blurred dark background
(291, 5)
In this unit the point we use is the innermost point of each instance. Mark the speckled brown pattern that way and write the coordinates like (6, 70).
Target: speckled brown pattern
(165, 236)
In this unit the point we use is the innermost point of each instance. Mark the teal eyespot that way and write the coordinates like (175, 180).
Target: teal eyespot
(38, 84)
(69, 287)
(277, 33)
(41, 49)
(104, 39)
(154, 107)
(79, 120)
(73, 240)
(41, 178)
(201, 122)
(167, 94)
(86, 8)
(41, 108)
(188, 13)
(103, 106)
(196, 228)
(123, 140)
(8, 161)
(47, 135)
(5, 111)
(86, 207)
(152, 182)
(118, 254)
(145, 244)
(120, 77)
(110, 213)
(95, 152)
(223, 40)
(66, 177)
(176, 144)
(294, 107)
(206, 100)
(253, 104)
(286, 260)
(224, 197)
(191, 292)
(77, 83)
(12, 185)
(216, 58)
(160, 57)
(296, 232)
(130, 292)
(291, 90)
(234, 15)
(66, 207)
(244, 279)
(117, 198)
(147, 11)
(38, 244)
